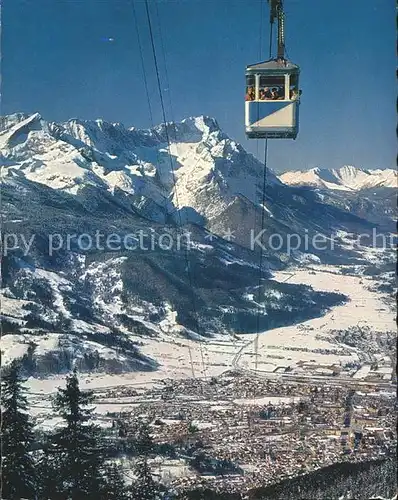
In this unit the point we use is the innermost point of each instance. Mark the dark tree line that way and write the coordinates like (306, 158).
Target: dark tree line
(72, 463)
(17, 466)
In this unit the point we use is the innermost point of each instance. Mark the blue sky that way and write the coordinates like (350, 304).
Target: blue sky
(56, 60)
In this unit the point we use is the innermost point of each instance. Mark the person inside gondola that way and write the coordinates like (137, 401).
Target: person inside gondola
(295, 94)
(274, 94)
(250, 94)
(265, 94)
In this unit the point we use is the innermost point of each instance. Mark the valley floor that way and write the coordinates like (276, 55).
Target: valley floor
(303, 350)
(306, 348)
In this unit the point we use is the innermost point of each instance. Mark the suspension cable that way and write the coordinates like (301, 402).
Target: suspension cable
(165, 68)
(142, 63)
(174, 128)
(175, 188)
(260, 278)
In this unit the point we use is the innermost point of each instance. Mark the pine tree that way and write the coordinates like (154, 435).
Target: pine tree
(145, 488)
(76, 447)
(144, 441)
(48, 468)
(17, 466)
(114, 487)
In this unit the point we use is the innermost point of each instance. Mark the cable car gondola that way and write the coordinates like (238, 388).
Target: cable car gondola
(272, 91)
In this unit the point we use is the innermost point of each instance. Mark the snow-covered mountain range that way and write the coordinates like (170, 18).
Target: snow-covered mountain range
(134, 165)
(216, 184)
(85, 300)
(370, 194)
(347, 178)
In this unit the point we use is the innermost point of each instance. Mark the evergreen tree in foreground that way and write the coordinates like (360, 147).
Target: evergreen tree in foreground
(143, 440)
(145, 488)
(77, 456)
(48, 476)
(17, 468)
(114, 486)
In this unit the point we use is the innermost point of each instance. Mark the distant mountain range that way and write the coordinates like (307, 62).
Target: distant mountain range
(347, 178)
(369, 194)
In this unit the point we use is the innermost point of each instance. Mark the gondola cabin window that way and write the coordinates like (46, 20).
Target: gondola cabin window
(266, 87)
(271, 87)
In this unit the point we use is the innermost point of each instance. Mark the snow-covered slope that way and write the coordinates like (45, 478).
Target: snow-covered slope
(347, 178)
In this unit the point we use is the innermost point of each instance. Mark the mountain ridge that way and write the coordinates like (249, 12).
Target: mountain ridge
(189, 172)
(347, 178)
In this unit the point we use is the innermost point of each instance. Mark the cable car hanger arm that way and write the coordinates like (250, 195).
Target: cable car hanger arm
(276, 12)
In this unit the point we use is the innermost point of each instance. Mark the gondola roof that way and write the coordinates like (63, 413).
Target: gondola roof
(275, 66)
